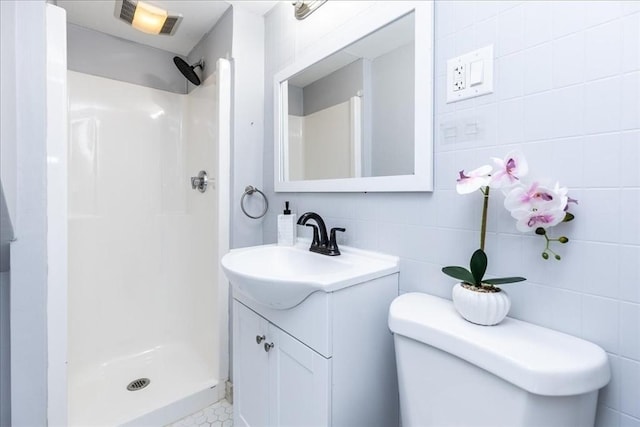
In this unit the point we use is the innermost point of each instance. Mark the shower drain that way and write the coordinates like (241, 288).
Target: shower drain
(138, 384)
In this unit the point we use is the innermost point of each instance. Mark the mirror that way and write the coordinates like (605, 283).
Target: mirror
(356, 113)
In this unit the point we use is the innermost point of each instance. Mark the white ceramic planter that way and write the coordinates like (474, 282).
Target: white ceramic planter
(482, 308)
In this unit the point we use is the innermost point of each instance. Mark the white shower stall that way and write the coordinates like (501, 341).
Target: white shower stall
(326, 144)
(146, 299)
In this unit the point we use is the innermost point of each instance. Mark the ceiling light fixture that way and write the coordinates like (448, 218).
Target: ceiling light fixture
(146, 17)
(304, 8)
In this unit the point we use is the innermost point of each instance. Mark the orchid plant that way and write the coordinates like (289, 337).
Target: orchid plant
(534, 206)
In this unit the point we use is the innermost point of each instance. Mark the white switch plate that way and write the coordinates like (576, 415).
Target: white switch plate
(460, 82)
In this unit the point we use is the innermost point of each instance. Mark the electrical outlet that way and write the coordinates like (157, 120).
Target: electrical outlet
(459, 78)
(470, 75)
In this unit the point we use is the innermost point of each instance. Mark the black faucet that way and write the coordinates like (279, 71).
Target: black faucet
(320, 243)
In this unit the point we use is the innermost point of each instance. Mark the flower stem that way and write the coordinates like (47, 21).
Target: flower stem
(485, 207)
(548, 249)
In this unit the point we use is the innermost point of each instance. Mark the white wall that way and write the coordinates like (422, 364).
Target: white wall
(248, 127)
(29, 251)
(200, 244)
(566, 94)
(214, 45)
(5, 352)
(8, 176)
(104, 55)
(57, 211)
(8, 137)
(100, 54)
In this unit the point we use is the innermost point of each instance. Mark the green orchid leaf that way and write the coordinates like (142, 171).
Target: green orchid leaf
(504, 280)
(478, 265)
(459, 273)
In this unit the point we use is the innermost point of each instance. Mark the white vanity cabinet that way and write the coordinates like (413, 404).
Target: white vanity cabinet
(251, 368)
(280, 382)
(328, 361)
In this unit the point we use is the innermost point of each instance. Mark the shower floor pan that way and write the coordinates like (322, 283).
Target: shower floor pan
(180, 383)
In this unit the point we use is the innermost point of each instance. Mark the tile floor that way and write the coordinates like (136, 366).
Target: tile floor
(219, 414)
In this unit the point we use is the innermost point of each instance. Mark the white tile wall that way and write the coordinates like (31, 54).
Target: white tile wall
(626, 421)
(629, 273)
(537, 25)
(601, 60)
(607, 417)
(537, 68)
(510, 73)
(566, 94)
(630, 387)
(629, 322)
(568, 60)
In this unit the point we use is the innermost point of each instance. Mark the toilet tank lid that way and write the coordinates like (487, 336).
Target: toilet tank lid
(539, 360)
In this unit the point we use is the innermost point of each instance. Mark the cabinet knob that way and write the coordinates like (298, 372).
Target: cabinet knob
(260, 338)
(268, 346)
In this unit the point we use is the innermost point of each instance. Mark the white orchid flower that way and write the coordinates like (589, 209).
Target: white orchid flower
(510, 169)
(468, 182)
(529, 220)
(562, 193)
(536, 197)
(536, 206)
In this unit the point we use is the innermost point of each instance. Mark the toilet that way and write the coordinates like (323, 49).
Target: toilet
(454, 373)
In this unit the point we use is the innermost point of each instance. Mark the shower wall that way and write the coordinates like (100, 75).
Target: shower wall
(142, 243)
(99, 54)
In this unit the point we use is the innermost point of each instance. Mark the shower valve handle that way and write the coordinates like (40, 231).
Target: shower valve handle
(200, 182)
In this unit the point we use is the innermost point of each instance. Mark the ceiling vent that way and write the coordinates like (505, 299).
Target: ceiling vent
(146, 17)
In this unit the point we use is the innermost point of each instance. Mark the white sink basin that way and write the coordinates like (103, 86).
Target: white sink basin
(283, 276)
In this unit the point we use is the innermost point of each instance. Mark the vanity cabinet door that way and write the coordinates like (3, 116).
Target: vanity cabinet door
(250, 368)
(299, 383)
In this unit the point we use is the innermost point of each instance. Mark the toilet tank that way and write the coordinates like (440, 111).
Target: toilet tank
(455, 373)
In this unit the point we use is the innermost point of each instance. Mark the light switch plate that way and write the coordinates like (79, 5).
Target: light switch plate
(476, 74)
(465, 80)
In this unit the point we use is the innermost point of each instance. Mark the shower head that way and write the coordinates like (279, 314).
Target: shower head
(189, 70)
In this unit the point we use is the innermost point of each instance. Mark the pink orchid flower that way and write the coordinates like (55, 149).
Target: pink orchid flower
(468, 182)
(510, 170)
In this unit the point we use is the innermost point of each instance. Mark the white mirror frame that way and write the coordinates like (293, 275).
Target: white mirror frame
(378, 16)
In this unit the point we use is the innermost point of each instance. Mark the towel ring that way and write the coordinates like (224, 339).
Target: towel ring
(249, 189)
